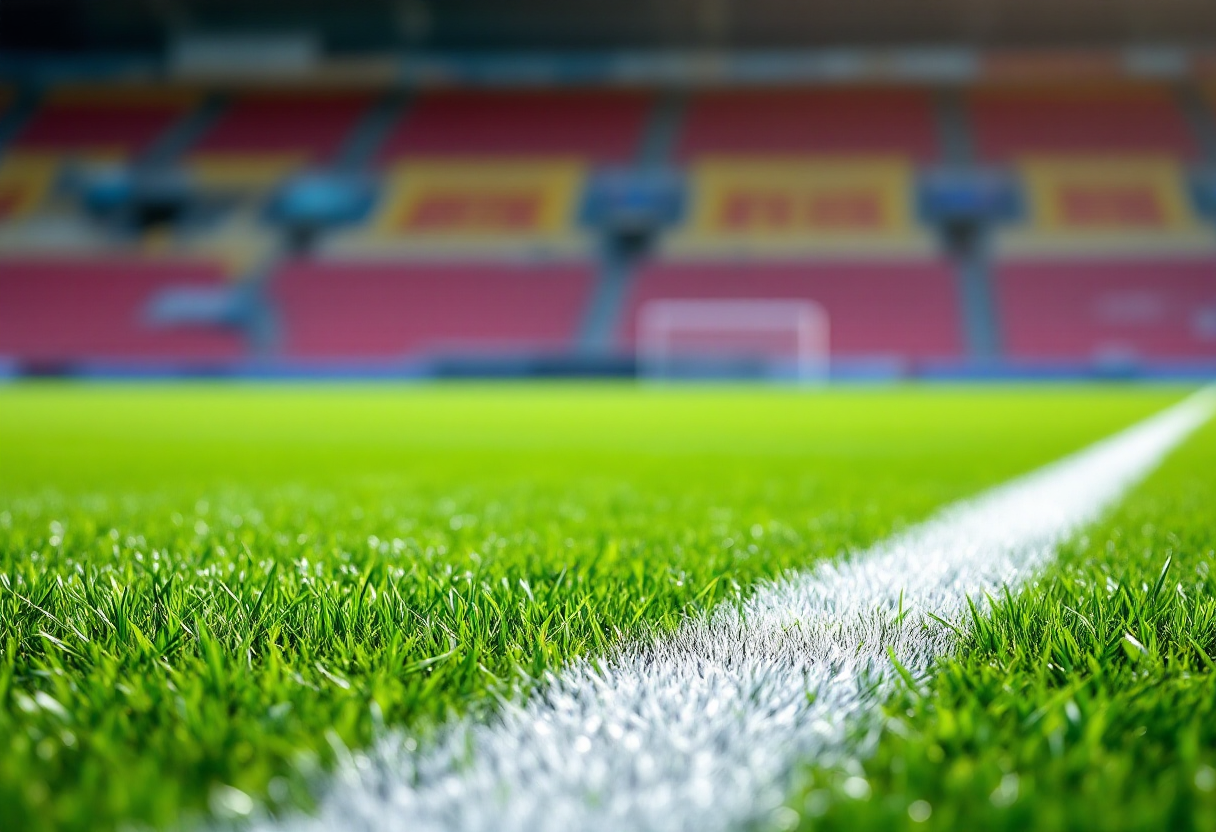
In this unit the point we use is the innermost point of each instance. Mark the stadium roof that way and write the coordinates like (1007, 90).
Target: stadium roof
(354, 25)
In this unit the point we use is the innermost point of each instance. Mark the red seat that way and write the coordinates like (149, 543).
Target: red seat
(1148, 309)
(110, 124)
(822, 122)
(1011, 122)
(595, 126)
(875, 308)
(368, 310)
(65, 310)
(310, 125)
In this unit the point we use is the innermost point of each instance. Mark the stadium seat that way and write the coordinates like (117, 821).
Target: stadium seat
(382, 310)
(853, 122)
(603, 127)
(876, 309)
(58, 310)
(311, 127)
(1012, 122)
(110, 123)
(1150, 309)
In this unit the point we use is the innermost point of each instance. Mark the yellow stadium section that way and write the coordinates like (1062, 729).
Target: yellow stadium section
(25, 182)
(243, 172)
(1106, 204)
(800, 205)
(442, 206)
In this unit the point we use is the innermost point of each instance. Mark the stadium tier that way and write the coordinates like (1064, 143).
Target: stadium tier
(603, 127)
(1010, 123)
(875, 309)
(68, 311)
(1123, 310)
(391, 310)
(311, 126)
(110, 123)
(796, 193)
(833, 122)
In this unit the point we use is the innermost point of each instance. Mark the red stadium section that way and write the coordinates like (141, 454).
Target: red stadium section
(1108, 310)
(110, 122)
(603, 127)
(817, 122)
(1012, 122)
(312, 126)
(875, 309)
(66, 311)
(391, 310)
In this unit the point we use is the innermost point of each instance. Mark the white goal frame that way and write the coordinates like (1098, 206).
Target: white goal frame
(660, 321)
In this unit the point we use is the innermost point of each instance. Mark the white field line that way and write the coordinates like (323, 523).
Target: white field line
(704, 730)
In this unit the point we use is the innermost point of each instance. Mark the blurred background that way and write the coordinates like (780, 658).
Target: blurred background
(866, 189)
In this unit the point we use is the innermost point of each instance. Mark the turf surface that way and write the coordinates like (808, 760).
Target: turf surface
(204, 589)
(1086, 701)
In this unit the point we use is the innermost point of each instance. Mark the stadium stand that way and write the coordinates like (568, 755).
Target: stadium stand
(108, 122)
(1111, 263)
(806, 195)
(877, 309)
(1009, 123)
(259, 138)
(601, 127)
(486, 172)
(475, 244)
(311, 126)
(64, 311)
(387, 310)
(1108, 310)
(834, 122)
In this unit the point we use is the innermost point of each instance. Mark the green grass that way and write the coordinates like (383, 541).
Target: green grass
(202, 586)
(1085, 702)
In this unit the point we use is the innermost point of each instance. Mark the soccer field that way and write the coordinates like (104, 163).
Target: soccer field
(215, 596)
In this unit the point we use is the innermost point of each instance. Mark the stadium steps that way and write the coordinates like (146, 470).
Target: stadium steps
(602, 318)
(953, 129)
(973, 265)
(368, 137)
(973, 269)
(1201, 118)
(663, 130)
(597, 332)
(176, 141)
(16, 115)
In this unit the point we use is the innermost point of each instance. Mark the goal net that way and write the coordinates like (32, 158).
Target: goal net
(773, 338)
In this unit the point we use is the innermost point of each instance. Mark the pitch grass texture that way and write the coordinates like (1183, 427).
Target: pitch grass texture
(203, 590)
(700, 729)
(1086, 701)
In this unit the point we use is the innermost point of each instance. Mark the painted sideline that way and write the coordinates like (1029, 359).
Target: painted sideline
(704, 730)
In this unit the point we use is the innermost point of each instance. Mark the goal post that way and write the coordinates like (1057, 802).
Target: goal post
(769, 337)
